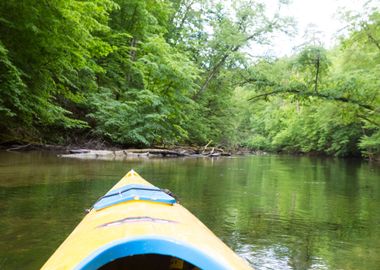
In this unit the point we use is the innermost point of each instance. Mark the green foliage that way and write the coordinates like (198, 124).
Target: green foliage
(319, 101)
(11, 87)
(121, 121)
(313, 64)
(47, 52)
(288, 126)
(371, 144)
(148, 72)
(163, 52)
(144, 97)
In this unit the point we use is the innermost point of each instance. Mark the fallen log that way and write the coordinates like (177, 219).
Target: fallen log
(35, 146)
(163, 152)
(79, 151)
(215, 154)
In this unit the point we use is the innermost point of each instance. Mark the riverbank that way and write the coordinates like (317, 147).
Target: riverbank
(145, 153)
(112, 152)
(98, 150)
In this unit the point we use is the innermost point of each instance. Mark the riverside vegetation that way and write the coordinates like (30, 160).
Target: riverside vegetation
(183, 72)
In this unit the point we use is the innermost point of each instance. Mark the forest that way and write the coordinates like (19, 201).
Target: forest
(141, 73)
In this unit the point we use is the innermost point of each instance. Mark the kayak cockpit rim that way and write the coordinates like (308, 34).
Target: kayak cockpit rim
(149, 245)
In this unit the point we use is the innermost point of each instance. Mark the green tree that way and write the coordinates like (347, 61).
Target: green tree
(48, 50)
(326, 101)
(144, 97)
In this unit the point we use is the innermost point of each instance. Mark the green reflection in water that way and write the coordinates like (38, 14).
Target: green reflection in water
(278, 212)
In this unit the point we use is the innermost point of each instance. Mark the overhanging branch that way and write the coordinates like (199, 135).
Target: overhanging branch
(312, 94)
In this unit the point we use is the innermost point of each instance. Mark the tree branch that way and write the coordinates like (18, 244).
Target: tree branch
(368, 120)
(312, 94)
(371, 37)
(226, 54)
(317, 67)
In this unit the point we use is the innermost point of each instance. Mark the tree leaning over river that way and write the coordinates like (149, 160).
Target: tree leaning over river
(142, 73)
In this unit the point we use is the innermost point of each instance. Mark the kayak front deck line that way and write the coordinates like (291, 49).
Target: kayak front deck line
(136, 226)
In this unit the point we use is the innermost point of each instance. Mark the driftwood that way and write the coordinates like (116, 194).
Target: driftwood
(205, 147)
(79, 151)
(18, 147)
(145, 153)
(35, 146)
(163, 152)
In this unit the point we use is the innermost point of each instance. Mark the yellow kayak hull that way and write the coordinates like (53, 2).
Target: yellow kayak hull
(136, 227)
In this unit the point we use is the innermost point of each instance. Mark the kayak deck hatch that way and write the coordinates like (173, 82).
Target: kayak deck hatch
(134, 192)
(148, 261)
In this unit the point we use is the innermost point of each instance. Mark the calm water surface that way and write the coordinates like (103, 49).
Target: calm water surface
(277, 212)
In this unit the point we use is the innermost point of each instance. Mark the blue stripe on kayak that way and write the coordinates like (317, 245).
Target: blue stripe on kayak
(133, 192)
(131, 186)
(149, 245)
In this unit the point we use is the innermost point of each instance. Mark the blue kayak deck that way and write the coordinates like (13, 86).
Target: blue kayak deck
(134, 192)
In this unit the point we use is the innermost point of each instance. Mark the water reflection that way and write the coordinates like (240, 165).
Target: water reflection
(277, 212)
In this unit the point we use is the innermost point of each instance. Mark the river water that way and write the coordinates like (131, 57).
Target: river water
(278, 212)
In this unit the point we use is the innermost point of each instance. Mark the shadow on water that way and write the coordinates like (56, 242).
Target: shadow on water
(278, 212)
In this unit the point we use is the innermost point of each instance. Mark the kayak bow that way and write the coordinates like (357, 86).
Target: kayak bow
(139, 226)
